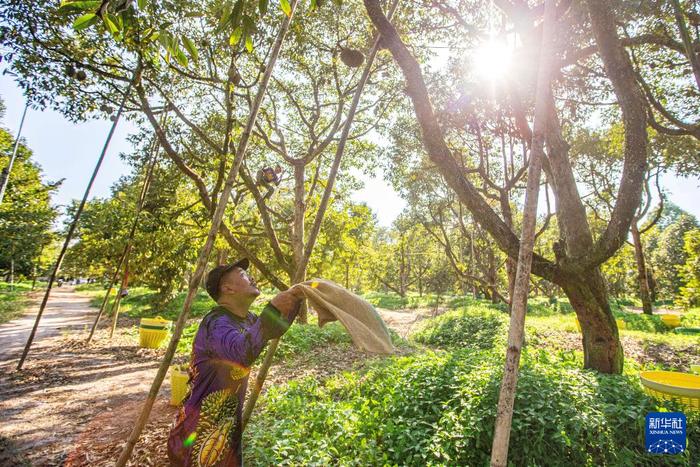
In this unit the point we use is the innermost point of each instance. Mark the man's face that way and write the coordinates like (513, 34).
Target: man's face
(238, 282)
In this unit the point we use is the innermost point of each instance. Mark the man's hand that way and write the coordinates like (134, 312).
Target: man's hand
(288, 302)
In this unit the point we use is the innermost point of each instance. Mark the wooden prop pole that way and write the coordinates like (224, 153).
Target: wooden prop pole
(198, 273)
(130, 238)
(73, 225)
(506, 398)
(272, 348)
(118, 301)
(5, 174)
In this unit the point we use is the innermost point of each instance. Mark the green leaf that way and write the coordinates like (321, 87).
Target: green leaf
(224, 18)
(142, 4)
(249, 25)
(164, 39)
(249, 43)
(80, 5)
(236, 35)
(111, 21)
(286, 7)
(84, 21)
(236, 13)
(191, 48)
(262, 6)
(180, 56)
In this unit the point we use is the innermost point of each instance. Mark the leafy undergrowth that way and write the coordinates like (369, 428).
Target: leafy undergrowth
(13, 300)
(438, 408)
(691, 318)
(475, 327)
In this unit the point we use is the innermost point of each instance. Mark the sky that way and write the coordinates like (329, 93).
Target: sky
(68, 151)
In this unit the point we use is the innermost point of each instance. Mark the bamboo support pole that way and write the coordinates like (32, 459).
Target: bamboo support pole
(5, 174)
(506, 398)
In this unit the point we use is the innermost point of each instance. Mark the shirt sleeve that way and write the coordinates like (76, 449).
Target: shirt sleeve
(244, 344)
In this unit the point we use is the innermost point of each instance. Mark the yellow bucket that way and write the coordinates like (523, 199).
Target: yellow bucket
(153, 331)
(178, 384)
(672, 321)
(684, 388)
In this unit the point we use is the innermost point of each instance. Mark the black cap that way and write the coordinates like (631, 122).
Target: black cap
(215, 275)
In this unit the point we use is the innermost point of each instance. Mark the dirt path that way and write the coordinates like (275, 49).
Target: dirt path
(66, 311)
(70, 394)
(403, 321)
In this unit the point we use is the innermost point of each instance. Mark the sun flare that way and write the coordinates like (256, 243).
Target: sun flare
(492, 59)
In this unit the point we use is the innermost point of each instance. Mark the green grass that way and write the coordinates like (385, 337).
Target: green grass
(412, 300)
(13, 300)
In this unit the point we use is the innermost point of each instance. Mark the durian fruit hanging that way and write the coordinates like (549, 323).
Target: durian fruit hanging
(351, 57)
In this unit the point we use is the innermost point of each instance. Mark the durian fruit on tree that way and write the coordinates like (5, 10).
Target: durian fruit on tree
(351, 57)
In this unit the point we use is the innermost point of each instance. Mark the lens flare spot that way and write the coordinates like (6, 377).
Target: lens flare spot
(189, 441)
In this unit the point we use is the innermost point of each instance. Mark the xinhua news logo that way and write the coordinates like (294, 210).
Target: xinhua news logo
(665, 432)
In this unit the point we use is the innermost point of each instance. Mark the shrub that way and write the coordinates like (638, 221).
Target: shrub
(439, 409)
(691, 318)
(642, 322)
(473, 327)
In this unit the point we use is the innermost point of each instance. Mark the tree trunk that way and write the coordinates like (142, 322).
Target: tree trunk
(642, 276)
(588, 296)
(299, 271)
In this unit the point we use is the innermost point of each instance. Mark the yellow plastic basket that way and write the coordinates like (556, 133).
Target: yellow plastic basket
(178, 384)
(672, 321)
(671, 385)
(153, 331)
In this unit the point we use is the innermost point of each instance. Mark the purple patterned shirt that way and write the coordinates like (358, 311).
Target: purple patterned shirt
(207, 430)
